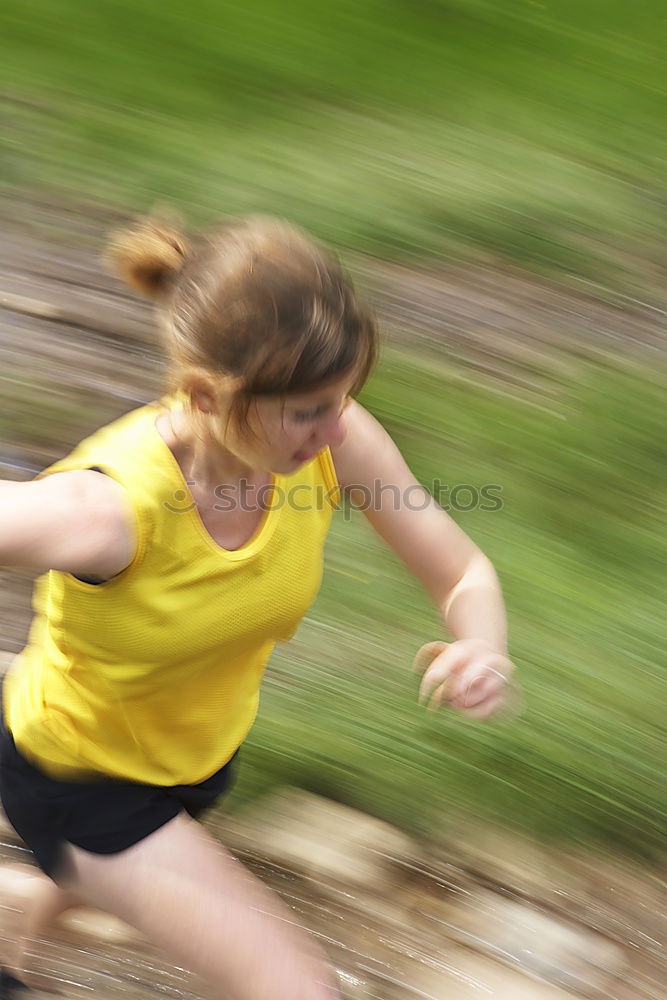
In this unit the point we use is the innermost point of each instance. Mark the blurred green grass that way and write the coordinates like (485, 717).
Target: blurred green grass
(581, 550)
(520, 130)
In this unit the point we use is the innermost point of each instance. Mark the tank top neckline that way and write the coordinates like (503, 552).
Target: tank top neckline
(264, 529)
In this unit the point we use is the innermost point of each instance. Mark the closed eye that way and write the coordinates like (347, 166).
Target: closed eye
(303, 416)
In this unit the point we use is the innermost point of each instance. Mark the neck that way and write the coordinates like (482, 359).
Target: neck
(204, 462)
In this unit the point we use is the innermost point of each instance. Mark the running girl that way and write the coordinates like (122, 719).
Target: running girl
(164, 594)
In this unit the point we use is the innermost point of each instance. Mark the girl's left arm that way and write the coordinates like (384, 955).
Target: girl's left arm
(470, 673)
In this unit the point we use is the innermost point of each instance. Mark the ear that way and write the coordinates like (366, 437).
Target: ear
(200, 389)
(203, 400)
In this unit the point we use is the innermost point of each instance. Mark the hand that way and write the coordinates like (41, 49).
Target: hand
(470, 675)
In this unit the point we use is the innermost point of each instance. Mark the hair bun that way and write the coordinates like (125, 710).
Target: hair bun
(148, 256)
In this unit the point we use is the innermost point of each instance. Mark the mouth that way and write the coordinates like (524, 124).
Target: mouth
(304, 456)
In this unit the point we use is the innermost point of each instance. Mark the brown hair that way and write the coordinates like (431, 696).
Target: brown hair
(255, 307)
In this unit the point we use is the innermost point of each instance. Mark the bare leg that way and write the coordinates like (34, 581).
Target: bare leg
(45, 906)
(189, 897)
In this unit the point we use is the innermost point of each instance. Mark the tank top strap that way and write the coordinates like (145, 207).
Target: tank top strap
(328, 471)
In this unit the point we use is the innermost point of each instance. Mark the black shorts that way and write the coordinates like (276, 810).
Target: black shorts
(104, 817)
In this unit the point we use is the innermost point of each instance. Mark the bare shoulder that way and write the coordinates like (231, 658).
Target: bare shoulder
(367, 453)
(377, 479)
(77, 522)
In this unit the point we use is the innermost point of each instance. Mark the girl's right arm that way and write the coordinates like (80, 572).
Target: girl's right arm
(77, 522)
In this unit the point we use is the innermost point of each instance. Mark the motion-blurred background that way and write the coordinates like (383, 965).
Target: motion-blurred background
(493, 175)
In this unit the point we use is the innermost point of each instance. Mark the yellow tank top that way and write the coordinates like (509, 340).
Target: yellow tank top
(154, 675)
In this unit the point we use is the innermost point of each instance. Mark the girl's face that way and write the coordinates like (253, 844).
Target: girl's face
(286, 432)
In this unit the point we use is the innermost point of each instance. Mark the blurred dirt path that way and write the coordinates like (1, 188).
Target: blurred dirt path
(486, 913)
